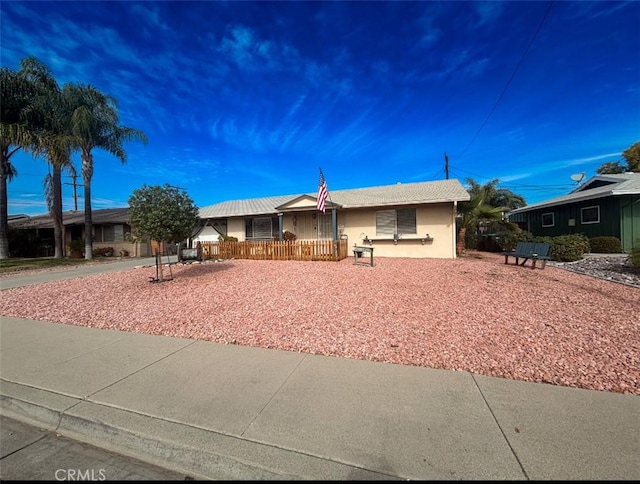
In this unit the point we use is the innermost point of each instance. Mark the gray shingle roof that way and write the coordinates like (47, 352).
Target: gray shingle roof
(240, 208)
(398, 194)
(102, 216)
(622, 184)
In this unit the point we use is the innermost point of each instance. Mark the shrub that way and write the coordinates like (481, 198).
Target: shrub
(508, 238)
(605, 245)
(634, 257)
(23, 243)
(76, 245)
(289, 236)
(567, 248)
(103, 251)
(470, 240)
(227, 238)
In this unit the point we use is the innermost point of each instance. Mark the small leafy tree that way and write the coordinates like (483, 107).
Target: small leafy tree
(162, 214)
(632, 157)
(632, 162)
(610, 168)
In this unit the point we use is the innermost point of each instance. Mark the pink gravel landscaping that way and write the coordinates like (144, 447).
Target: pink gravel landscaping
(472, 314)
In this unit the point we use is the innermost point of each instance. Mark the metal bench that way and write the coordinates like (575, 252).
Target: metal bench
(534, 251)
(358, 253)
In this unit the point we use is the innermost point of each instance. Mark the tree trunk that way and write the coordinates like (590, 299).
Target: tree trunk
(4, 215)
(461, 244)
(56, 212)
(88, 222)
(87, 174)
(159, 262)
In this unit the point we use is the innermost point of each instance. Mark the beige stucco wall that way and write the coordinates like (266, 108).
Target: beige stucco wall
(437, 220)
(235, 227)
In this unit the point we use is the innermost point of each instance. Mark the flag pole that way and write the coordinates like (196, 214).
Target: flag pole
(334, 215)
(325, 182)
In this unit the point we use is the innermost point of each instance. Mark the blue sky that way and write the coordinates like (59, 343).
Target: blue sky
(250, 99)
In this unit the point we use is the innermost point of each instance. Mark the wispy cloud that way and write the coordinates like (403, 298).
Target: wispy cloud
(510, 178)
(150, 20)
(22, 203)
(544, 167)
(593, 10)
(587, 160)
(488, 12)
(243, 47)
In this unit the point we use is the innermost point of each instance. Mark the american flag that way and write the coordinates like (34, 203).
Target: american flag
(322, 192)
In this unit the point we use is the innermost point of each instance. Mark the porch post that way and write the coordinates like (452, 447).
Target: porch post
(280, 226)
(334, 223)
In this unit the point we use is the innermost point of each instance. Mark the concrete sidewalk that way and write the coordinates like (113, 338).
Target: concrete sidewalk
(231, 412)
(18, 280)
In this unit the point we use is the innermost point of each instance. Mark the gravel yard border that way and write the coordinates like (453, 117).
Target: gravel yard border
(472, 314)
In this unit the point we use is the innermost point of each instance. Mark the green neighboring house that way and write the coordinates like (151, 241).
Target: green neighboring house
(605, 205)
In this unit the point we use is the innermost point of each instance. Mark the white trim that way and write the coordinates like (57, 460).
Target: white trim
(582, 215)
(553, 219)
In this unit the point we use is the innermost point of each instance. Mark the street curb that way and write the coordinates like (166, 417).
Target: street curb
(183, 448)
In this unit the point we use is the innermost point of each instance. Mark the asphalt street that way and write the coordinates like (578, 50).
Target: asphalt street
(32, 453)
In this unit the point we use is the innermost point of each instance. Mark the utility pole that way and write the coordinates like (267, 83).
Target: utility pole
(75, 192)
(446, 165)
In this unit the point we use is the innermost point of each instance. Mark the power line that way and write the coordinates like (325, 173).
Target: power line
(522, 187)
(513, 74)
(437, 175)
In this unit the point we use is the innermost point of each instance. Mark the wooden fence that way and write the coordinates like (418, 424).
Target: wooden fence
(312, 250)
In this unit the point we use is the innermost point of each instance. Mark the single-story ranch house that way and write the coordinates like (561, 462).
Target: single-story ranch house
(401, 220)
(110, 227)
(605, 205)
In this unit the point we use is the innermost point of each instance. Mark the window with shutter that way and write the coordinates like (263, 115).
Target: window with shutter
(391, 222)
(108, 233)
(262, 228)
(118, 233)
(406, 221)
(385, 222)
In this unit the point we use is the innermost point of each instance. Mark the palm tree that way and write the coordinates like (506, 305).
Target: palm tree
(20, 123)
(494, 196)
(476, 210)
(95, 124)
(55, 143)
(59, 157)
